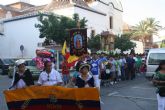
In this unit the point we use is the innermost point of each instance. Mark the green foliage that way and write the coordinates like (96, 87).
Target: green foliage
(147, 27)
(124, 43)
(53, 27)
(94, 43)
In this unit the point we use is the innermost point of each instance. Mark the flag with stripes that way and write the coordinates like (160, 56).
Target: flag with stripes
(52, 98)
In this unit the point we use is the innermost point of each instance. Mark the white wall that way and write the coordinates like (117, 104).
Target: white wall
(110, 11)
(139, 47)
(95, 22)
(20, 32)
(117, 22)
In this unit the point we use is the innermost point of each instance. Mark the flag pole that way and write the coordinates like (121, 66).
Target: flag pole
(58, 63)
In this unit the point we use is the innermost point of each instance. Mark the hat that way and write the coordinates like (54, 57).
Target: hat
(19, 62)
(84, 65)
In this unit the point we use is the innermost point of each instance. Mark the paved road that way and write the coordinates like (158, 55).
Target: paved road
(138, 94)
(4, 84)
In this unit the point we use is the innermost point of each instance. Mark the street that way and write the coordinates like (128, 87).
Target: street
(138, 94)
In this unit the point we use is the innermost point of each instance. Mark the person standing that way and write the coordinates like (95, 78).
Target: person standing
(23, 77)
(123, 64)
(65, 71)
(138, 64)
(159, 81)
(131, 67)
(95, 69)
(113, 70)
(118, 69)
(49, 76)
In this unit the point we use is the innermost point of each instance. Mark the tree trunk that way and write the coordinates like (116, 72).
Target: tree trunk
(144, 44)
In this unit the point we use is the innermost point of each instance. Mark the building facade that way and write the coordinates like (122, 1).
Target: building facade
(20, 31)
(17, 22)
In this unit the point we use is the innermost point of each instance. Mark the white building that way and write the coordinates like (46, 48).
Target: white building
(20, 31)
(139, 47)
(102, 16)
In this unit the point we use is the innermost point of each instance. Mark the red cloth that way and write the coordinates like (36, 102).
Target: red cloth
(72, 64)
(65, 68)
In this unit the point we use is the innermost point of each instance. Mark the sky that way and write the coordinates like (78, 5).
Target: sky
(137, 10)
(134, 10)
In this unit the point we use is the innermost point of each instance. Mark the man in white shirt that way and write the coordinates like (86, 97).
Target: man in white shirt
(49, 76)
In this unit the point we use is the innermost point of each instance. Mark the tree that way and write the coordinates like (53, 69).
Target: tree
(124, 43)
(146, 28)
(94, 43)
(53, 27)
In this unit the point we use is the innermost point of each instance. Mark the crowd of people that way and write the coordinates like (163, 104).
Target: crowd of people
(108, 69)
(90, 71)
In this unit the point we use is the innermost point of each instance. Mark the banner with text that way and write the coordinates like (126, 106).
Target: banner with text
(52, 98)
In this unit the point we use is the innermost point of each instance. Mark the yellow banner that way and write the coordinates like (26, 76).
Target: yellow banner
(42, 97)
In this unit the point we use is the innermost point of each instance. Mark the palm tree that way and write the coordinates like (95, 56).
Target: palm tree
(146, 28)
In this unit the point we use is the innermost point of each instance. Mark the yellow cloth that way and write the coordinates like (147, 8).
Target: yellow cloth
(72, 58)
(40, 92)
(64, 48)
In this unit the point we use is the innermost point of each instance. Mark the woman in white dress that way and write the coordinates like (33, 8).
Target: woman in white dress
(23, 77)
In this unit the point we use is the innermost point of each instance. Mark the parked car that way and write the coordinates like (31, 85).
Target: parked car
(155, 56)
(5, 64)
(30, 64)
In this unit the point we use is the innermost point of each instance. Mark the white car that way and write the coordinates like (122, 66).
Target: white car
(155, 56)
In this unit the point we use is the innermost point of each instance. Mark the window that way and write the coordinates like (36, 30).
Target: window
(156, 58)
(93, 33)
(8, 61)
(111, 22)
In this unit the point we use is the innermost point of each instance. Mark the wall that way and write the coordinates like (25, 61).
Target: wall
(95, 22)
(139, 47)
(20, 32)
(110, 11)
(118, 22)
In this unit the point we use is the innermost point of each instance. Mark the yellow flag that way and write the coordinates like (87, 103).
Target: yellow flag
(64, 48)
(72, 58)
